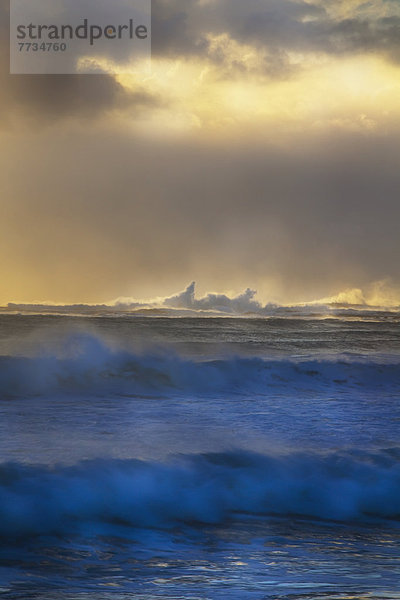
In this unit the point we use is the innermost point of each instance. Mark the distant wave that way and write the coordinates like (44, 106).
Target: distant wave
(95, 496)
(87, 364)
(353, 303)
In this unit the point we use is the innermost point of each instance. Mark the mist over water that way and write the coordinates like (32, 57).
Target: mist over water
(379, 299)
(198, 457)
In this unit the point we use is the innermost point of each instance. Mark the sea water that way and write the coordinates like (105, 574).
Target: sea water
(199, 458)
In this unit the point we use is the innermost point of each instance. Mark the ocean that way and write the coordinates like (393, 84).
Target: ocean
(200, 458)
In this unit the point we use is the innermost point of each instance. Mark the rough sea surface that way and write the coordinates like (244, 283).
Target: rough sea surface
(200, 458)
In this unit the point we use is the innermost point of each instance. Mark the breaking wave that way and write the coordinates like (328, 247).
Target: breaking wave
(90, 365)
(380, 298)
(93, 496)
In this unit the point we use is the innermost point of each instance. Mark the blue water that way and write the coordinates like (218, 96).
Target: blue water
(199, 458)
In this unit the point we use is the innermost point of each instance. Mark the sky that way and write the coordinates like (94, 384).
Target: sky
(261, 151)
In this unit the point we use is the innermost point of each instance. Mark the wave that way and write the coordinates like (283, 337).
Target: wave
(185, 304)
(197, 489)
(88, 364)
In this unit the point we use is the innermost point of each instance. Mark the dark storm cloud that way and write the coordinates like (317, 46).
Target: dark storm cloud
(180, 27)
(46, 97)
(175, 30)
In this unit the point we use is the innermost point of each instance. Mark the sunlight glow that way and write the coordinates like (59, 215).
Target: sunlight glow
(357, 93)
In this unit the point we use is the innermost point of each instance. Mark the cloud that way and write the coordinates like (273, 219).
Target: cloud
(267, 38)
(51, 97)
(277, 27)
